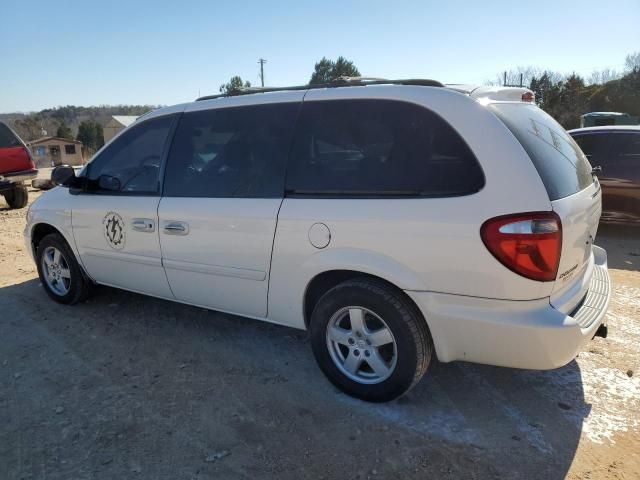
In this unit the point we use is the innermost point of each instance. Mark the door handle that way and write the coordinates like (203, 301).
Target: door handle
(143, 225)
(173, 227)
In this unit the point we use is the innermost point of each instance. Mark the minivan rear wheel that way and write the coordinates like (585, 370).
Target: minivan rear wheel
(370, 340)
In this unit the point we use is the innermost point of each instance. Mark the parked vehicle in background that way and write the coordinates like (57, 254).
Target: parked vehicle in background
(392, 219)
(599, 119)
(615, 150)
(16, 167)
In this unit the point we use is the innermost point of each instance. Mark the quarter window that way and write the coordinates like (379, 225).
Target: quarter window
(231, 152)
(133, 158)
(379, 147)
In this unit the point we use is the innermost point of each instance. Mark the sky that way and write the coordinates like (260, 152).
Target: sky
(161, 52)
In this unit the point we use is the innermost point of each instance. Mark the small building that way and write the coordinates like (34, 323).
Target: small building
(116, 125)
(52, 151)
(598, 119)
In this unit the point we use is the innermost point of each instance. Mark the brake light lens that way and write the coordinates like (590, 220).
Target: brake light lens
(529, 244)
(528, 97)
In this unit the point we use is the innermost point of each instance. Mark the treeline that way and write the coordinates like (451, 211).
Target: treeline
(66, 121)
(567, 96)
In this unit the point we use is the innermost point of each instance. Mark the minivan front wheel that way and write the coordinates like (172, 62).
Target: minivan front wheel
(369, 340)
(59, 271)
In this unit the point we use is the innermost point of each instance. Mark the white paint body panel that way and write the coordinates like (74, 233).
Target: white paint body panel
(223, 262)
(52, 208)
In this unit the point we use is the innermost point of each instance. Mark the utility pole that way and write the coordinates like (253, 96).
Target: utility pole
(262, 61)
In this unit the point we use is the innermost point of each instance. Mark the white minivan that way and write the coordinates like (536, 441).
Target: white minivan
(392, 219)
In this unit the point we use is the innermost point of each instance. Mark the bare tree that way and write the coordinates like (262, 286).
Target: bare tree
(632, 61)
(603, 76)
(528, 73)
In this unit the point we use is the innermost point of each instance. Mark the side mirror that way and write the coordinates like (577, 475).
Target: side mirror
(108, 182)
(63, 175)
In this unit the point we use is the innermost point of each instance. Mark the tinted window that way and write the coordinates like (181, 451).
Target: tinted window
(134, 157)
(626, 146)
(231, 152)
(621, 156)
(379, 147)
(7, 138)
(592, 144)
(562, 166)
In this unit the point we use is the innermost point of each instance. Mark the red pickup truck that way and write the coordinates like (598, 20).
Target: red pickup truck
(16, 167)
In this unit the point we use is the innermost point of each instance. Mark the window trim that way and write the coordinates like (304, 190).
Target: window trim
(295, 193)
(163, 161)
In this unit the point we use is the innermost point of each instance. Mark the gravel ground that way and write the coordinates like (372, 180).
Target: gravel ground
(127, 386)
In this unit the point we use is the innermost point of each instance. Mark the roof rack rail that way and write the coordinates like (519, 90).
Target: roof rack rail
(341, 82)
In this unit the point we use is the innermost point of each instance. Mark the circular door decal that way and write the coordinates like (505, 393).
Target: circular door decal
(113, 228)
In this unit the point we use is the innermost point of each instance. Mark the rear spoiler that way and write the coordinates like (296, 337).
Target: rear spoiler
(498, 94)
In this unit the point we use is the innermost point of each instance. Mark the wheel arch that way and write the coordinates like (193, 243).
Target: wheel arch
(41, 230)
(325, 281)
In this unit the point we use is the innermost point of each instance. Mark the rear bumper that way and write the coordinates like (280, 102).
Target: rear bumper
(7, 180)
(518, 334)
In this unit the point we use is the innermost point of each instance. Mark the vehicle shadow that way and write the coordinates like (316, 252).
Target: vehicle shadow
(622, 244)
(125, 383)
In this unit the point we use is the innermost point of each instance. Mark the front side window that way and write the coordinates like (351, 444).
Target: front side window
(131, 163)
(379, 147)
(231, 152)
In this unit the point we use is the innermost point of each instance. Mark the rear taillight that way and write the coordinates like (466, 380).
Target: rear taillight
(526, 243)
(29, 157)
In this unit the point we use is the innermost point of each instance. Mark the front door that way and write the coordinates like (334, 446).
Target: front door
(115, 220)
(224, 185)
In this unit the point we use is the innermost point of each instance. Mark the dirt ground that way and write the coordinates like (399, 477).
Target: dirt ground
(127, 386)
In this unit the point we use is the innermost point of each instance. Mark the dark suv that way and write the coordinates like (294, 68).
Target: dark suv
(16, 167)
(616, 150)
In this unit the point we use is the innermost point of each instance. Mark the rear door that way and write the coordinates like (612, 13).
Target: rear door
(574, 192)
(224, 185)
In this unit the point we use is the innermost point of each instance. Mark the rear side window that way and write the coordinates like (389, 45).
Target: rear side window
(592, 143)
(379, 147)
(7, 137)
(627, 146)
(618, 153)
(562, 166)
(231, 152)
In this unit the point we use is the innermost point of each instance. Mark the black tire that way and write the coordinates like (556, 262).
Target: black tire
(17, 197)
(79, 286)
(413, 342)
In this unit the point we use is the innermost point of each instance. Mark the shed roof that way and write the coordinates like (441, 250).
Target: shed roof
(49, 139)
(125, 120)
